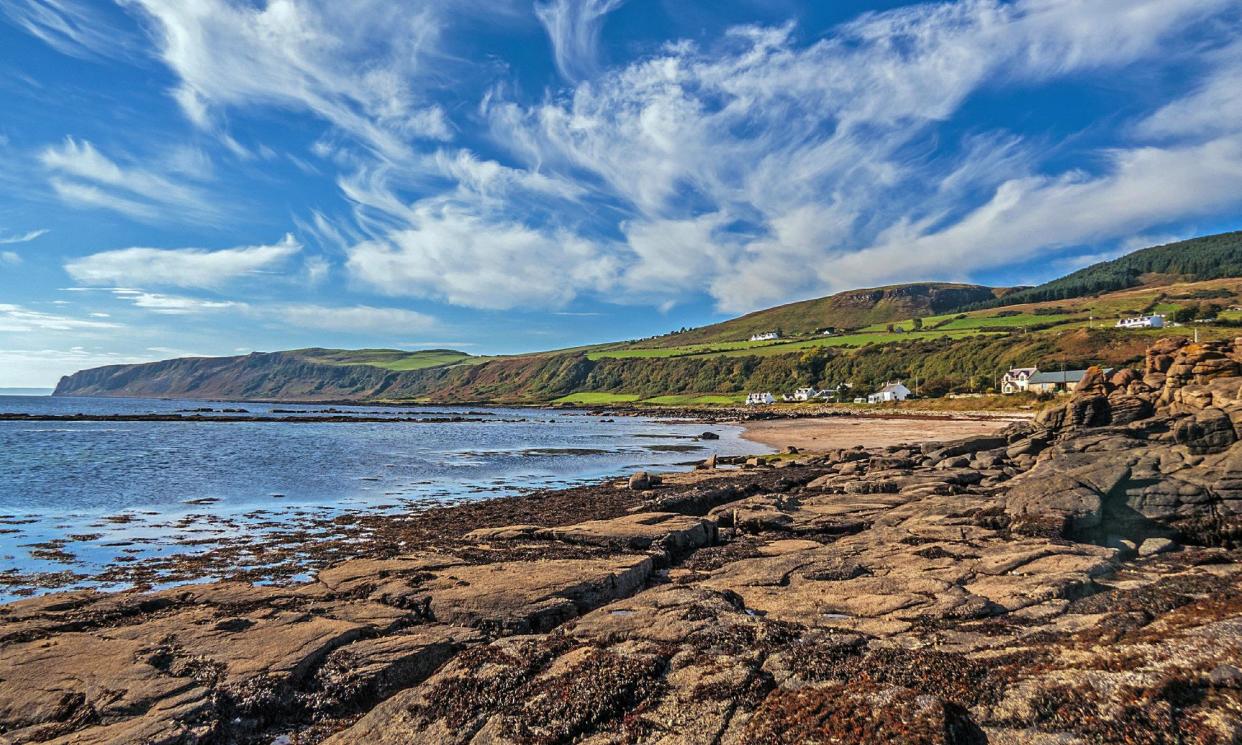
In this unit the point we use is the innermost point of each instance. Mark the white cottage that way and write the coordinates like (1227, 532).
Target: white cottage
(765, 336)
(890, 392)
(760, 399)
(1141, 322)
(805, 394)
(1017, 379)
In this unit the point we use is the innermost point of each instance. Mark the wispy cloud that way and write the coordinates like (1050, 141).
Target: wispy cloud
(79, 29)
(23, 238)
(354, 64)
(19, 319)
(41, 366)
(457, 256)
(756, 167)
(84, 176)
(348, 319)
(763, 169)
(180, 267)
(573, 26)
(173, 305)
(10, 258)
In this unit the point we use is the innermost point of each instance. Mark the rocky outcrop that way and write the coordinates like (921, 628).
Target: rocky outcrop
(1077, 580)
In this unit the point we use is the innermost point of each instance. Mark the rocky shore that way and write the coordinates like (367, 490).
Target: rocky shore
(1076, 579)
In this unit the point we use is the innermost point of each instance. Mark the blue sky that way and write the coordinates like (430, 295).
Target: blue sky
(204, 177)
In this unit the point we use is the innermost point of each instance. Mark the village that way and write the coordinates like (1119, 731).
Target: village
(1016, 381)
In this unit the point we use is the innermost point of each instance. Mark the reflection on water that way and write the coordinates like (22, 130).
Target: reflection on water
(77, 497)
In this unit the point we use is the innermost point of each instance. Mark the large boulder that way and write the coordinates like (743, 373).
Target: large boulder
(1093, 382)
(1053, 504)
(1124, 408)
(1209, 431)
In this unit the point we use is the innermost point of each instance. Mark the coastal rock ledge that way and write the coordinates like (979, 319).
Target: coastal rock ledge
(1074, 581)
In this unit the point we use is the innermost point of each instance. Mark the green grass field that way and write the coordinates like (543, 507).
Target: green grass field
(697, 400)
(597, 398)
(393, 359)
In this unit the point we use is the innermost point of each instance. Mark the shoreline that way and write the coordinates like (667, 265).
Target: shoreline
(1021, 586)
(829, 433)
(304, 541)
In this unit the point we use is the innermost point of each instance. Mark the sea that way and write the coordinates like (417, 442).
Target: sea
(77, 497)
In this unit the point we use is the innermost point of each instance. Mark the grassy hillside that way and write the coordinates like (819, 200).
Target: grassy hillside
(1197, 259)
(848, 310)
(389, 359)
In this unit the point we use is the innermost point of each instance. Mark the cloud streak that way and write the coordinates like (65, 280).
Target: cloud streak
(23, 238)
(573, 26)
(181, 267)
(83, 176)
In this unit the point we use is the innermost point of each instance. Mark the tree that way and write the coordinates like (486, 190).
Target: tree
(1186, 313)
(918, 324)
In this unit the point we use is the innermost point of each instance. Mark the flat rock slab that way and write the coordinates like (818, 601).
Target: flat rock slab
(526, 596)
(674, 533)
(51, 686)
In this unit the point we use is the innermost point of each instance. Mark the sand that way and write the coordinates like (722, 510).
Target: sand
(827, 433)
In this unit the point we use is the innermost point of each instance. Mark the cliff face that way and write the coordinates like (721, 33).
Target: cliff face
(279, 375)
(290, 376)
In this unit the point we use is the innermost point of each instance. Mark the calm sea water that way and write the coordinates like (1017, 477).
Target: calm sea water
(92, 487)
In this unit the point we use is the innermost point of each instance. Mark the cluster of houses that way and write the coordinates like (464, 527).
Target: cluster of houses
(890, 392)
(1017, 380)
(1031, 380)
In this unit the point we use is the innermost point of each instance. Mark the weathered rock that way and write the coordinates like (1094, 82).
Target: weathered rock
(1094, 383)
(1153, 546)
(642, 481)
(964, 446)
(1050, 503)
(1209, 431)
(1125, 408)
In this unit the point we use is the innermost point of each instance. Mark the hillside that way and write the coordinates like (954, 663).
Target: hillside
(1194, 260)
(902, 331)
(845, 310)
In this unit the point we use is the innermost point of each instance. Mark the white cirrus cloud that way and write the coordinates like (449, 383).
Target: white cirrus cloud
(19, 319)
(357, 319)
(72, 27)
(82, 175)
(451, 254)
(762, 169)
(10, 257)
(173, 305)
(353, 64)
(42, 366)
(180, 267)
(362, 319)
(573, 27)
(23, 238)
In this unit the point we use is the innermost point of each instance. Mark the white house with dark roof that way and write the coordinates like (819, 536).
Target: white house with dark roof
(760, 399)
(890, 392)
(1141, 322)
(1017, 379)
(1060, 381)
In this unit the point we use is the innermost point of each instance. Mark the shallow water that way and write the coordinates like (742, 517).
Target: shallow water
(79, 496)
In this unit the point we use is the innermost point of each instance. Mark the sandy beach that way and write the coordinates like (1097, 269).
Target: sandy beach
(817, 435)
